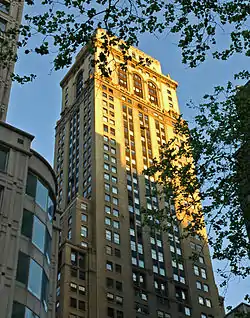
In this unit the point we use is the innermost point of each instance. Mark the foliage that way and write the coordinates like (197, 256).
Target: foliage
(205, 166)
(62, 27)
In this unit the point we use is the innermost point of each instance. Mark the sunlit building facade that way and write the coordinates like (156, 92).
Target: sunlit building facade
(109, 264)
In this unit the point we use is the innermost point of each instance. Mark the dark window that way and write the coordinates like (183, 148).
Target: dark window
(22, 268)
(137, 85)
(81, 275)
(152, 92)
(73, 302)
(109, 282)
(119, 314)
(111, 312)
(81, 305)
(79, 83)
(18, 310)
(31, 185)
(119, 286)
(27, 224)
(3, 151)
(73, 272)
(117, 252)
(118, 268)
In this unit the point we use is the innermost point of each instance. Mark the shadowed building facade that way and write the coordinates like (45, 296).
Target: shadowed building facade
(10, 17)
(29, 228)
(109, 264)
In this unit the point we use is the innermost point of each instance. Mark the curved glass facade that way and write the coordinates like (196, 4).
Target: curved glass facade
(41, 193)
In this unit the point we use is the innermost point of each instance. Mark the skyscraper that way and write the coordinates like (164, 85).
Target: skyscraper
(10, 17)
(109, 264)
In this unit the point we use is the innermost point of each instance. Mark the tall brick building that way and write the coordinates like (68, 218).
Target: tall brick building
(109, 264)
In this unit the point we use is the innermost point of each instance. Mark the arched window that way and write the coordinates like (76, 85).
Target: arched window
(152, 92)
(122, 78)
(137, 85)
(79, 83)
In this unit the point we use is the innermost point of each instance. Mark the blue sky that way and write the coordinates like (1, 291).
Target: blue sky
(35, 107)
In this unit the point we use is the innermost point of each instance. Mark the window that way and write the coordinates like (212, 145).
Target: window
(116, 238)
(79, 83)
(196, 270)
(198, 285)
(187, 311)
(109, 266)
(201, 260)
(107, 209)
(35, 279)
(4, 6)
(111, 312)
(73, 302)
(105, 156)
(208, 303)
(203, 273)
(116, 224)
(81, 305)
(20, 311)
(201, 300)
(122, 78)
(205, 288)
(108, 235)
(137, 85)
(84, 218)
(114, 190)
(118, 286)
(115, 201)
(152, 92)
(118, 268)
(22, 266)
(73, 287)
(119, 300)
(38, 237)
(3, 150)
(84, 231)
(108, 250)
(203, 316)
(27, 224)
(116, 213)
(107, 221)
(107, 197)
(3, 24)
(113, 179)
(106, 176)
(69, 234)
(117, 252)
(36, 189)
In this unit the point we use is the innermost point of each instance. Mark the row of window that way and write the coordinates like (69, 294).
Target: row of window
(32, 275)
(37, 232)
(41, 193)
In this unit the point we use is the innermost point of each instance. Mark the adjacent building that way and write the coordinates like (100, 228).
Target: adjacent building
(242, 310)
(10, 18)
(109, 265)
(29, 228)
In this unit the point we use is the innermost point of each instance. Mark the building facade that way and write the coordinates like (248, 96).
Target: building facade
(240, 311)
(29, 228)
(109, 264)
(10, 17)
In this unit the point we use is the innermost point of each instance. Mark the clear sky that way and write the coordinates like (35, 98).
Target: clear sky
(35, 107)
